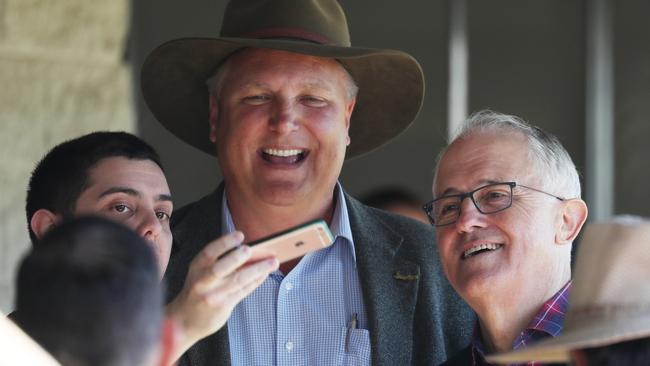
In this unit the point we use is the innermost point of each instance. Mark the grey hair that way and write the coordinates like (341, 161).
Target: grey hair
(215, 82)
(544, 149)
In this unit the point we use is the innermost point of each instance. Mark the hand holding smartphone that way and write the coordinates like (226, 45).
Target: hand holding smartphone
(293, 243)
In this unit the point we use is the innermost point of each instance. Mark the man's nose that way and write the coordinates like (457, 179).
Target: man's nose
(284, 117)
(470, 217)
(149, 226)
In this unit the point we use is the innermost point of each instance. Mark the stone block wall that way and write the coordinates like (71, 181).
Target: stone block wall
(62, 74)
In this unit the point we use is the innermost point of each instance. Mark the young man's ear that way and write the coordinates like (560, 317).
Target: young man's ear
(574, 214)
(42, 221)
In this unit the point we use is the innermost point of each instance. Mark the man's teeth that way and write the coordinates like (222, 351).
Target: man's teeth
(478, 248)
(282, 153)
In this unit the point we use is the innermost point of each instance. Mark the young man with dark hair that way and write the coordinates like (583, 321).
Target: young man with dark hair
(91, 295)
(119, 176)
(113, 174)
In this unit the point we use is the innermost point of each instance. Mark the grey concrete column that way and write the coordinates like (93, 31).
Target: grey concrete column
(599, 110)
(458, 65)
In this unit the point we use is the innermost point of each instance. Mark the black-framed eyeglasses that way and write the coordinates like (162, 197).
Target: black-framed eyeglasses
(488, 199)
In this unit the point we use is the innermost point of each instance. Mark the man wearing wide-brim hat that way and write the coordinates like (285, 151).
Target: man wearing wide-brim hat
(288, 100)
(608, 319)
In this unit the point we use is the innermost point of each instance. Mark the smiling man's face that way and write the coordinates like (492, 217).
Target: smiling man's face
(281, 126)
(520, 250)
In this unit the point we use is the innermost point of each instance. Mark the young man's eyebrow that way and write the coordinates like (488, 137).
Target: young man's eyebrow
(165, 197)
(133, 192)
(125, 190)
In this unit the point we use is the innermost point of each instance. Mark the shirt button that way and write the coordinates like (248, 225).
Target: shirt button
(289, 346)
(288, 286)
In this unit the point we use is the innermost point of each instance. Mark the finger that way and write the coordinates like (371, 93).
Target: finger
(213, 275)
(242, 278)
(246, 290)
(216, 248)
(231, 295)
(263, 267)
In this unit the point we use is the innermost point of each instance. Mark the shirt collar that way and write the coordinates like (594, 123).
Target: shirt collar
(550, 317)
(339, 226)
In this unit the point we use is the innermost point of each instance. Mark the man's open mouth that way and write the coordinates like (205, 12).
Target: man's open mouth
(481, 248)
(284, 156)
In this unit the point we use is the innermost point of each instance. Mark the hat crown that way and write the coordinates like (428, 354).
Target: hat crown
(612, 268)
(390, 82)
(610, 298)
(319, 21)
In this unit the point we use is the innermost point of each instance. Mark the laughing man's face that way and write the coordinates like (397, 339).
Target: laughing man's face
(281, 126)
(511, 250)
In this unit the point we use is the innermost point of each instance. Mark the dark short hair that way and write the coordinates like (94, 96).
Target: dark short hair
(91, 295)
(629, 353)
(62, 175)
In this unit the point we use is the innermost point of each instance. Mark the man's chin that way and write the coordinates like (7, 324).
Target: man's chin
(282, 193)
(479, 285)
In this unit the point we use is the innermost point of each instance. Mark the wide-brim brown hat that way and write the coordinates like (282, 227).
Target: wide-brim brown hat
(610, 296)
(391, 83)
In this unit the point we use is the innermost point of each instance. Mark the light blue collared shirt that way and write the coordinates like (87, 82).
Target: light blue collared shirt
(304, 318)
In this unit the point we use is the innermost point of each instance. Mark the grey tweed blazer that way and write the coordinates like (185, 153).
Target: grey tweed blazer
(414, 315)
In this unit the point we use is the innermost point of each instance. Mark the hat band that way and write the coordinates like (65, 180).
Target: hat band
(289, 32)
(589, 314)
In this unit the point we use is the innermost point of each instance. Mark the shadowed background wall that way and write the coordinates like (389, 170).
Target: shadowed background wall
(62, 74)
(63, 68)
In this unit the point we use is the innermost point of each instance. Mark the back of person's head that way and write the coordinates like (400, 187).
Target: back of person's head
(91, 295)
(629, 353)
(61, 176)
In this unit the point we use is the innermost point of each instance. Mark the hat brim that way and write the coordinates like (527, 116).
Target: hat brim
(391, 87)
(588, 335)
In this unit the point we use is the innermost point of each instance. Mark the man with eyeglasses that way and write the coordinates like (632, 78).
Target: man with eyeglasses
(506, 209)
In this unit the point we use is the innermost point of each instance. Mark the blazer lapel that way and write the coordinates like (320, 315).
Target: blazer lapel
(389, 284)
(199, 225)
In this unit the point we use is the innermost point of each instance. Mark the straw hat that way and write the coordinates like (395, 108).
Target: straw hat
(610, 298)
(391, 83)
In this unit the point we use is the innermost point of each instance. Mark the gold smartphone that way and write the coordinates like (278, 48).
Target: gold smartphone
(293, 243)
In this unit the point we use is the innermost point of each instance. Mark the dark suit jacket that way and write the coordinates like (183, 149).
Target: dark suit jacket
(414, 315)
(464, 358)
